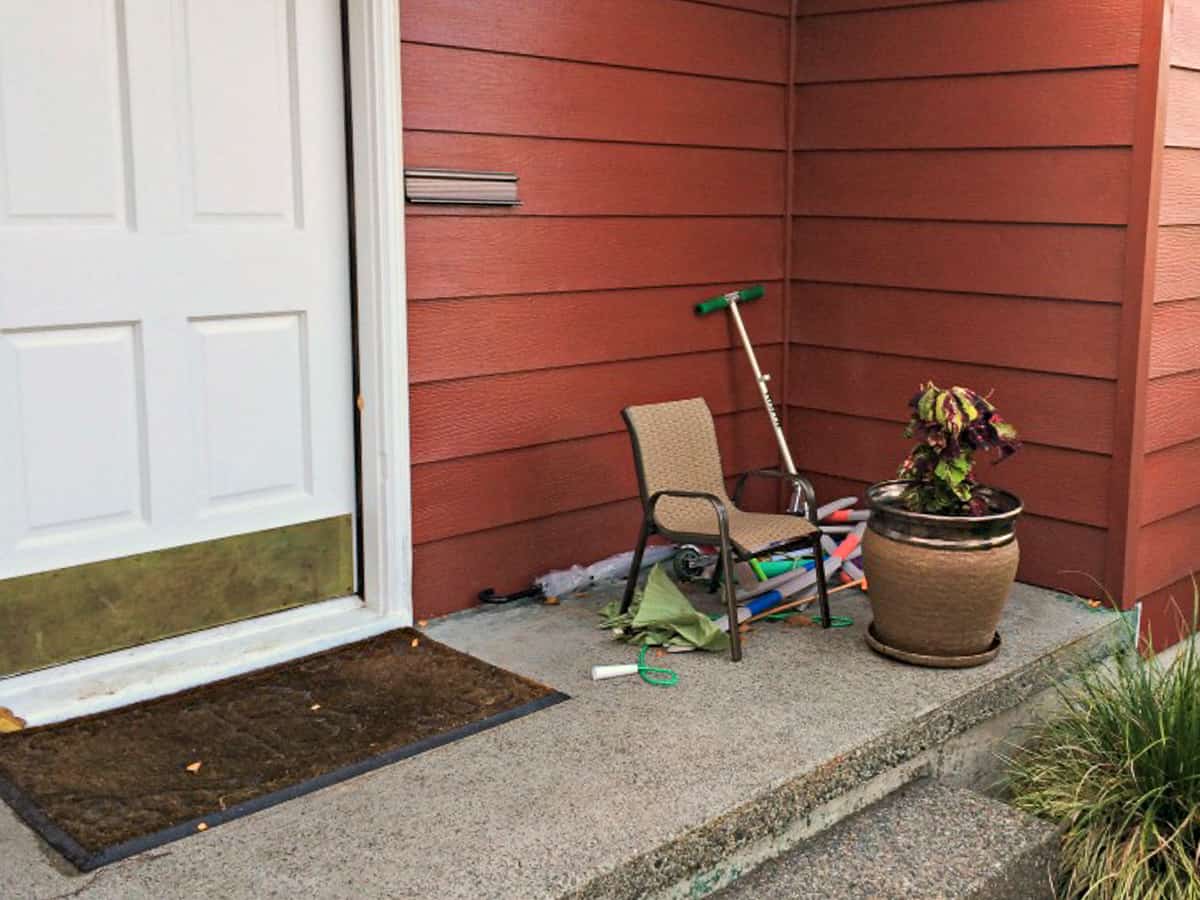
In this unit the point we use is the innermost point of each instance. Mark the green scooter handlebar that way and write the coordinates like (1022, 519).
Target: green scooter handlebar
(745, 295)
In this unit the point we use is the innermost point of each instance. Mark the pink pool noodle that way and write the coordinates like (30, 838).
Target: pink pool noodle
(829, 509)
(848, 549)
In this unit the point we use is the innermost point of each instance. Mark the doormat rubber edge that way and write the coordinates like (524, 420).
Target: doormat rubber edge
(87, 861)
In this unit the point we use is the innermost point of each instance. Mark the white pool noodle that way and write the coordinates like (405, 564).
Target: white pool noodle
(856, 515)
(852, 569)
(723, 622)
(804, 580)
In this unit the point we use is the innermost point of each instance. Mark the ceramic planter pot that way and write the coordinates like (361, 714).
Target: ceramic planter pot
(937, 584)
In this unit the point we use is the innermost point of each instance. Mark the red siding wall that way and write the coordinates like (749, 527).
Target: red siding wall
(961, 191)
(650, 141)
(969, 187)
(1168, 542)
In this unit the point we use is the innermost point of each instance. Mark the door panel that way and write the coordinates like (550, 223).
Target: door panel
(174, 277)
(239, 93)
(62, 115)
(55, 412)
(252, 376)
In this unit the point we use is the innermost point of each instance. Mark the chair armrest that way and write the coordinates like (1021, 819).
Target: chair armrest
(801, 483)
(717, 505)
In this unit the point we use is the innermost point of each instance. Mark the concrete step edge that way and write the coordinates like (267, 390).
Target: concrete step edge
(716, 852)
(927, 841)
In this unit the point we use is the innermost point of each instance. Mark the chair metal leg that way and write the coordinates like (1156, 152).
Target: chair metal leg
(822, 588)
(636, 567)
(731, 606)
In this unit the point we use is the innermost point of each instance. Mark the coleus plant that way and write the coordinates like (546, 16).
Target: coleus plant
(951, 424)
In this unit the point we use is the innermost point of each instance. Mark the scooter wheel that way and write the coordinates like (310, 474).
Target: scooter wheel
(688, 563)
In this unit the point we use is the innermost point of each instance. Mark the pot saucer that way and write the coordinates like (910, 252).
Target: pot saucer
(936, 662)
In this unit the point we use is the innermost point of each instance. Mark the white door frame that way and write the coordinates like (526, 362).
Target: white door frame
(163, 667)
(378, 166)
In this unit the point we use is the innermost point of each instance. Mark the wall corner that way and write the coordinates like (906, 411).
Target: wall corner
(1141, 240)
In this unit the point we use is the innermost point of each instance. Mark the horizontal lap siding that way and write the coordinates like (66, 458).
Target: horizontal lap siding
(1172, 481)
(820, 7)
(1172, 410)
(767, 7)
(1175, 338)
(1088, 186)
(1177, 273)
(700, 34)
(469, 256)
(472, 336)
(450, 572)
(982, 37)
(1168, 614)
(1168, 548)
(1070, 338)
(836, 380)
(1054, 483)
(447, 89)
(466, 417)
(1183, 108)
(1041, 109)
(480, 492)
(596, 178)
(1180, 185)
(962, 199)
(651, 174)
(1070, 262)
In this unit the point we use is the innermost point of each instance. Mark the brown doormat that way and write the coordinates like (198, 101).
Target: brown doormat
(107, 786)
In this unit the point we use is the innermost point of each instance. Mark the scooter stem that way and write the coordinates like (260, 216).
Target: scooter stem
(761, 379)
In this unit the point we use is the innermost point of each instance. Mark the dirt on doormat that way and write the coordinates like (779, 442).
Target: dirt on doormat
(106, 786)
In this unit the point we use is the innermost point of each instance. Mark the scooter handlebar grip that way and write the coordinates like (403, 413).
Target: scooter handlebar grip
(712, 304)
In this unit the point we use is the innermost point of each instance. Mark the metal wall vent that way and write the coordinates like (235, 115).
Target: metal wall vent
(449, 186)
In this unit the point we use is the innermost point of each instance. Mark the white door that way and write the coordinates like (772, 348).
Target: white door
(174, 277)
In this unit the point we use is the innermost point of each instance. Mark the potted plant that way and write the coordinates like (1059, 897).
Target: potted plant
(941, 552)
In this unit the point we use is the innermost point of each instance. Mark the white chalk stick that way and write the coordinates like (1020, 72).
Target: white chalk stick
(599, 673)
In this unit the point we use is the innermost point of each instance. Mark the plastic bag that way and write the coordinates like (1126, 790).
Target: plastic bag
(563, 581)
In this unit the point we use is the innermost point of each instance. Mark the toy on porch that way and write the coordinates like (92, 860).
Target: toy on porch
(797, 504)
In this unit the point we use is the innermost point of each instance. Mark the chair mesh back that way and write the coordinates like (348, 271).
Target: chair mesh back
(676, 448)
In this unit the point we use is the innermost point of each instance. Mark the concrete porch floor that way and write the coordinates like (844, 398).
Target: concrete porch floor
(621, 791)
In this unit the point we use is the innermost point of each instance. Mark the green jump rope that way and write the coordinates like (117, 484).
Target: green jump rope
(659, 677)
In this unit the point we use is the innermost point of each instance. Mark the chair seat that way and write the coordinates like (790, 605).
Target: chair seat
(750, 532)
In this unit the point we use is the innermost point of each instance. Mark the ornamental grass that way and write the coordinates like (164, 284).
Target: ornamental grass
(1119, 766)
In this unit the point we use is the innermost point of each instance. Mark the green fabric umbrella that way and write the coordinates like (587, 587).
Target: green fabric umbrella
(661, 615)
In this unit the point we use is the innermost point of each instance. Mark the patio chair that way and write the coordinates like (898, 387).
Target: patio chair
(682, 486)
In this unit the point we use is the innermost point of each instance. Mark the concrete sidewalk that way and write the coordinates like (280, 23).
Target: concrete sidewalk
(623, 790)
